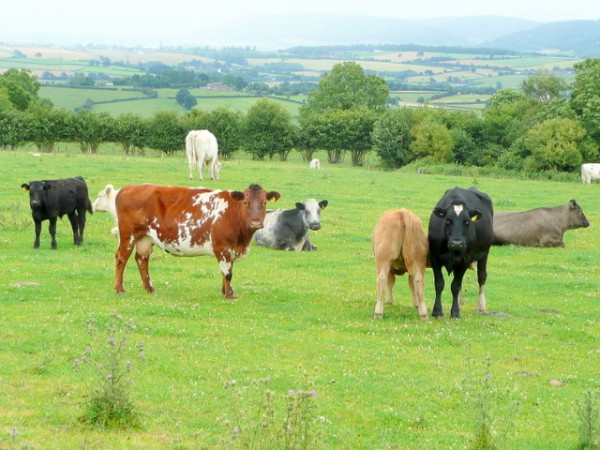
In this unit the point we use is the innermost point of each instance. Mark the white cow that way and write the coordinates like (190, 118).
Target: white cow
(590, 172)
(200, 147)
(106, 202)
(315, 164)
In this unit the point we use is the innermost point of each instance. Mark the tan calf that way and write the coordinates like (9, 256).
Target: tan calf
(400, 246)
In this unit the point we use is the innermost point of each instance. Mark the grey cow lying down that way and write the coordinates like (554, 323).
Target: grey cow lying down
(539, 227)
(287, 229)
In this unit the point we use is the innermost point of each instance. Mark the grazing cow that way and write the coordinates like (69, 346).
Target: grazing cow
(539, 227)
(287, 229)
(187, 222)
(315, 164)
(50, 199)
(105, 202)
(590, 172)
(460, 233)
(200, 147)
(400, 246)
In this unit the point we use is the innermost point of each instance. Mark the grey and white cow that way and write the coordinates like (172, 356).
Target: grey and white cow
(287, 229)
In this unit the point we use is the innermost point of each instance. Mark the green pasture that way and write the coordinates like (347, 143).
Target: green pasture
(121, 101)
(396, 383)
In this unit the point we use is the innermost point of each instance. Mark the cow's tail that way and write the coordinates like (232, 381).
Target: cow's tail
(413, 233)
(89, 206)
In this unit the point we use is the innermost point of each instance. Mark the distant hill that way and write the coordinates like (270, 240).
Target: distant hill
(581, 37)
(338, 29)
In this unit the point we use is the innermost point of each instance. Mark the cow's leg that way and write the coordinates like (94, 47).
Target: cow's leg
(143, 250)
(308, 246)
(38, 230)
(481, 279)
(126, 244)
(212, 170)
(416, 283)
(439, 287)
(383, 288)
(226, 266)
(201, 168)
(75, 227)
(52, 230)
(81, 222)
(459, 273)
(191, 169)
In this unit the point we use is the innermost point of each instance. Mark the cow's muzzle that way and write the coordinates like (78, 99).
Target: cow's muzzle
(256, 224)
(315, 226)
(456, 244)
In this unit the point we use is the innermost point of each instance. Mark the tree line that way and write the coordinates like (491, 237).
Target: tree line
(547, 124)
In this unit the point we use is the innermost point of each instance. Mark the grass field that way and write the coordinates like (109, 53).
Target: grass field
(398, 383)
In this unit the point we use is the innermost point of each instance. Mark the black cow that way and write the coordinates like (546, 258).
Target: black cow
(460, 233)
(287, 229)
(50, 199)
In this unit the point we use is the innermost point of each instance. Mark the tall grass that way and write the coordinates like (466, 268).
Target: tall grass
(395, 383)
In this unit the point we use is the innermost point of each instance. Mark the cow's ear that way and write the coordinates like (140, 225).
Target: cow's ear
(475, 215)
(572, 204)
(300, 206)
(109, 189)
(273, 195)
(237, 195)
(323, 204)
(439, 212)
(25, 186)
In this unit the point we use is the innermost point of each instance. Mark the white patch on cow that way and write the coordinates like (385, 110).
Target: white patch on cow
(225, 266)
(312, 213)
(458, 209)
(266, 235)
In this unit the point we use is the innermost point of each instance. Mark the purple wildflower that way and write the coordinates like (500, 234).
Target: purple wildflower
(235, 431)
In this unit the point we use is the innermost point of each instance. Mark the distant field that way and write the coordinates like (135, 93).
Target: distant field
(433, 68)
(137, 103)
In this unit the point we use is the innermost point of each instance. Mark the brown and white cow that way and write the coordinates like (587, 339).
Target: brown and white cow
(400, 246)
(187, 222)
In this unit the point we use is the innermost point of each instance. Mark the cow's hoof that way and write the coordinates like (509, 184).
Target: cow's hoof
(377, 316)
(424, 317)
(231, 297)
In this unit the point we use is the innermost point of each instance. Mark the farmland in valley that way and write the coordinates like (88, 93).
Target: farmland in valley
(451, 75)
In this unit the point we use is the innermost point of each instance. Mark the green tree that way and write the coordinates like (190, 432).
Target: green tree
(166, 132)
(267, 130)
(226, 126)
(544, 87)
(509, 115)
(392, 137)
(130, 130)
(585, 96)
(13, 128)
(554, 145)
(21, 86)
(347, 87)
(432, 139)
(91, 129)
(46, 126)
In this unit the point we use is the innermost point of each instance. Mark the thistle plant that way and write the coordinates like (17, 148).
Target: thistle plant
(588, 412)
(109, 359)
(264, 419)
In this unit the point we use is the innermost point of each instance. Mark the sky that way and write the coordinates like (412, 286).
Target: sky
(138, 21)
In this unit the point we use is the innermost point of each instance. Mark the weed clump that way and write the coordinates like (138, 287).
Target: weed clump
(109, 359)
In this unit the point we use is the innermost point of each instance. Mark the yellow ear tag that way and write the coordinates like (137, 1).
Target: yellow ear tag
(474, 218)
